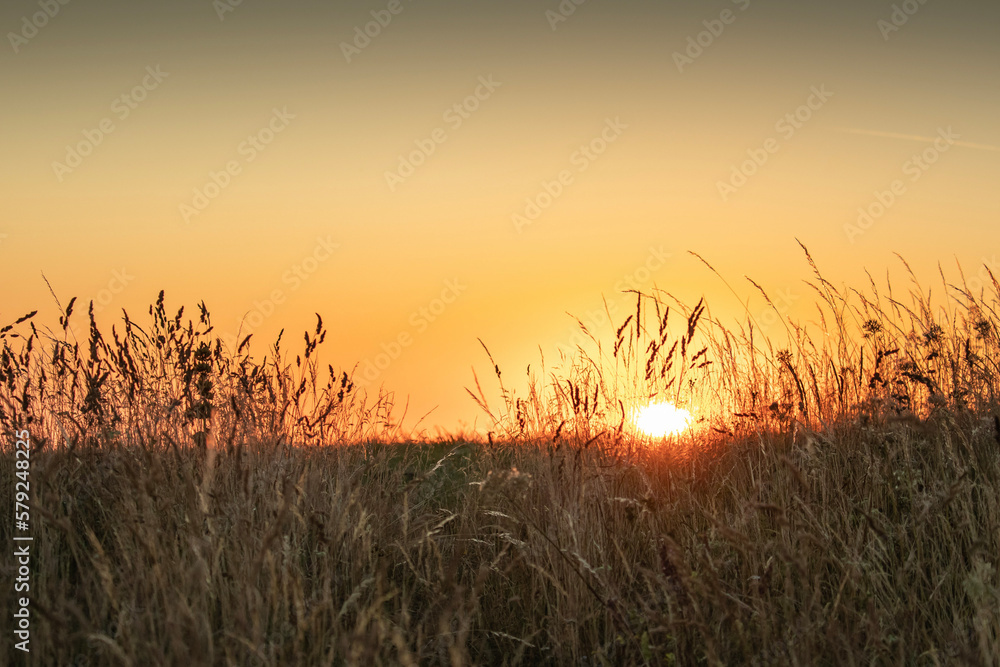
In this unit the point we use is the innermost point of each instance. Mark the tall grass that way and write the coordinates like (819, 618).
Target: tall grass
(872, 355)
(172, 383)
(837, 504)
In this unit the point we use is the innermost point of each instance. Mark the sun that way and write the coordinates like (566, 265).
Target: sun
(661, 419)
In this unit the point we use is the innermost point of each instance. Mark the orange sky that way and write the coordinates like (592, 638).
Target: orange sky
(479, 170)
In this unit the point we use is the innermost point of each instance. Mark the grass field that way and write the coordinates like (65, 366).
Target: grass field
(836, 502)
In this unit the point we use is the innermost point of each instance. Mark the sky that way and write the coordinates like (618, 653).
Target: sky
(428, 174)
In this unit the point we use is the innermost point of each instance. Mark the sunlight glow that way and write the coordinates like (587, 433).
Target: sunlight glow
(661, 419)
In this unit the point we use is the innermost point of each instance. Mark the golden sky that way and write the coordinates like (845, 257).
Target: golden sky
(425, 173)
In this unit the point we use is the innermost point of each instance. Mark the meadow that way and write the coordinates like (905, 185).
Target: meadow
(835, 498)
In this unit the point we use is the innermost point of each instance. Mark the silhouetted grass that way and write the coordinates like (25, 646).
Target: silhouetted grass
(837, 504)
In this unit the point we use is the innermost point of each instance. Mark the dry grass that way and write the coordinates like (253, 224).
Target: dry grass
(837, 505)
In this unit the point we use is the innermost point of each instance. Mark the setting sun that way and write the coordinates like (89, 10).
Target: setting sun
(661, 419)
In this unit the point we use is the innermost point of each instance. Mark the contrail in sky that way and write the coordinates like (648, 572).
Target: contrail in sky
(914, 137)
